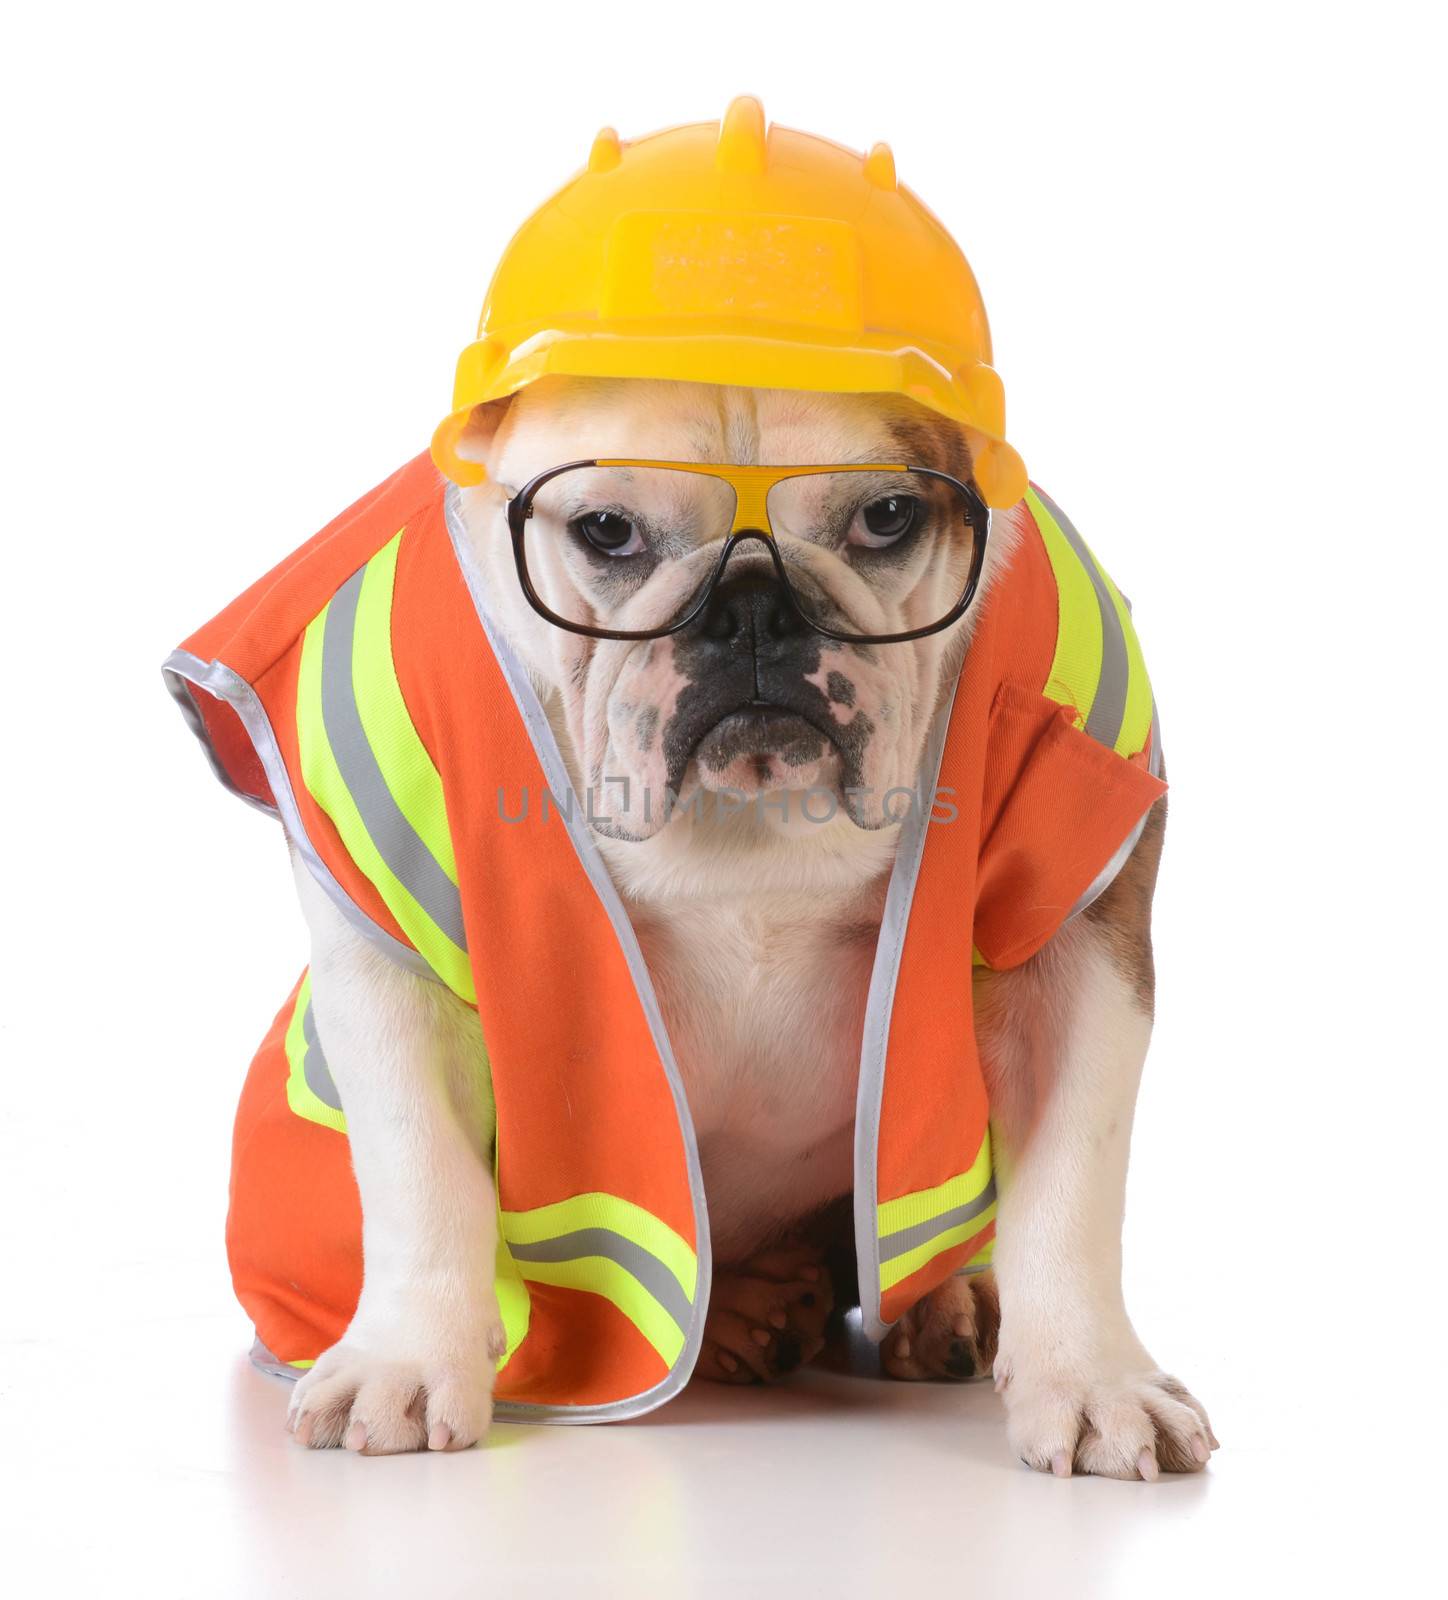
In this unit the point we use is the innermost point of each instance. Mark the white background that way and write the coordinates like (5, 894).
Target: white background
(245, 244)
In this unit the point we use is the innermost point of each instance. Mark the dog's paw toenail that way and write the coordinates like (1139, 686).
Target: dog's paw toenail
(357, 1436)
(1147, 1467)
(1061, 1464)
(1199, 1449)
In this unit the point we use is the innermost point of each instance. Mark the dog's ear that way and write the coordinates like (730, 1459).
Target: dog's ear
(464, 442)
(475, 440)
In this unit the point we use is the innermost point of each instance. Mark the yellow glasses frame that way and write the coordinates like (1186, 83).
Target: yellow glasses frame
(751, 486)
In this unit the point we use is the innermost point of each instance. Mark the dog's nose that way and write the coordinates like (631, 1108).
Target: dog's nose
(750, 609)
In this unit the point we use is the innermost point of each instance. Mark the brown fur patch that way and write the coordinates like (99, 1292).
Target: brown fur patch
(926, 440)
(953, 1332)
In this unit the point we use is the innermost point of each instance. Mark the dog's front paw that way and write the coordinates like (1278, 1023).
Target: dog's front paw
(950, 1333)
(374, 1398)
(766, 1317)
(1118, 1418)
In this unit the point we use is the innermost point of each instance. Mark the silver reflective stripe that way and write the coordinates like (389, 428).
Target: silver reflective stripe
(182, 668)
(179, 676)
(264, 1361)
(1108, 709)
(314, 1063)
(555, 774)
(633, 1258)
(897, 1244)
(397, 841)
(1107, 875)
(889, 949)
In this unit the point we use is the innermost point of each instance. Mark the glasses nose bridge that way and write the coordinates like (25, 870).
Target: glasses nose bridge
(751, 500)
(749, 550)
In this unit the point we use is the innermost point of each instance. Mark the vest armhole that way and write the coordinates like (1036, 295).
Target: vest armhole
(1062, 814)
(1107, 876)
(248, 761)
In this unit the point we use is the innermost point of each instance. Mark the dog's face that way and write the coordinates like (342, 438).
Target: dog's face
(746, 702)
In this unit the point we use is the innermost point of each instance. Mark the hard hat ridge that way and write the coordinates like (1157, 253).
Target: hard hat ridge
(741, 146)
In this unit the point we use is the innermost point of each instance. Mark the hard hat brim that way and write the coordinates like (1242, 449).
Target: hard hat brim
(489, 370)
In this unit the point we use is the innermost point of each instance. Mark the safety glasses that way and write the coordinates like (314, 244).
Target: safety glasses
(864, 553)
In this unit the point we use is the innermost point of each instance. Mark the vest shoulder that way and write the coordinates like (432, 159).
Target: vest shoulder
(269, 617)
(1018, 622)
(1062, 629)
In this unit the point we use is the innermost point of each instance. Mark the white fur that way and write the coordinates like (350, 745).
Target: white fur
(407, 1058)
(1064, 1039)
(763, 994)
(759, 933)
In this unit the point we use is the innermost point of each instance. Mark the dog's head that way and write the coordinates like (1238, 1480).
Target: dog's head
(747, 701)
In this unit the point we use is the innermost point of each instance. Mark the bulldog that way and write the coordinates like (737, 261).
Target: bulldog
(757, 909)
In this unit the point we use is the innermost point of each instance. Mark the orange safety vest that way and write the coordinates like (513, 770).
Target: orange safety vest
(361, 693)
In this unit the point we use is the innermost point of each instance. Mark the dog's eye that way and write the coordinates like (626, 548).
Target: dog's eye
(609, 533)
(885, 521)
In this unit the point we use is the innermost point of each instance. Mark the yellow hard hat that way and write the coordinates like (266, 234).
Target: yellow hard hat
(725, 253)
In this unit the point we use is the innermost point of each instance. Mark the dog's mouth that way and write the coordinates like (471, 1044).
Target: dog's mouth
(764, 737)
(782, 735)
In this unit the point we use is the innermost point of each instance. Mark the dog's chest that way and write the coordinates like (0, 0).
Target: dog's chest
(764, 1000)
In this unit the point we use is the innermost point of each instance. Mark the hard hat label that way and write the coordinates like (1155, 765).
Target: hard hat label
(759, 268)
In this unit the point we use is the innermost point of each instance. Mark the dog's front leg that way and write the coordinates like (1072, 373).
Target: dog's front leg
(415, 1367)
(1064, 1039)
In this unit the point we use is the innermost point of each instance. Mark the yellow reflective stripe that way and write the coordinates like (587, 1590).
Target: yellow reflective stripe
(911, 1209)
(601, 1276)
(900, 1267)
(406, 766)
(1136, 723)
(916, 1214)
(1076, 669)
(1076, 666)
(982, 1258)
(607, 1246)
(299, 1094)
(327, 787)
(598, 1210)
(512, 1295)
